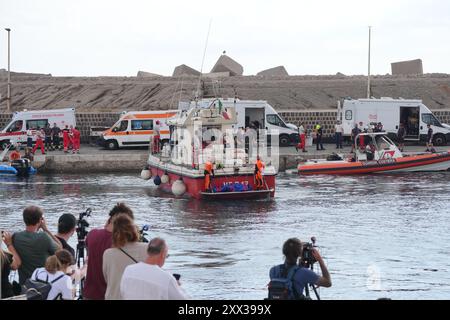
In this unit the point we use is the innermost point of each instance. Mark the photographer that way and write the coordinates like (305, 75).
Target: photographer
(9, 260)
(66, 227)
(301, 275)
(148, 281)
(32, 246)
(97, 242)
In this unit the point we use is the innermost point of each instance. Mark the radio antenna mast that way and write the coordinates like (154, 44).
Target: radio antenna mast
(197, 92)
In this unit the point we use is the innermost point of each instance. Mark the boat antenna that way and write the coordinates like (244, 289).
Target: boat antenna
(201, 68)
(368, 67)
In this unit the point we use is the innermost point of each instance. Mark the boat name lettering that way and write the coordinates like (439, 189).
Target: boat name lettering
(379, 162)
(386, 161)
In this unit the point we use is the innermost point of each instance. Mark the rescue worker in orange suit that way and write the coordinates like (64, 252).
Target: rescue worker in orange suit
(66, 138)
(75, 140)
(209, 169)
(156, 137)
(302, 136)
(259, 166)
(39, 141)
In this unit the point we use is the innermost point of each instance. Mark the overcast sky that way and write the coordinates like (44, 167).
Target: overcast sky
(119, 38)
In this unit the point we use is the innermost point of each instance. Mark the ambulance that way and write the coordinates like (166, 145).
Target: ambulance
(254, 114)
(414, 115)
(135, 128)
(16, 129)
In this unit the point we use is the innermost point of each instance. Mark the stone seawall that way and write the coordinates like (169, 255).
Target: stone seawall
(90, 163)
(327, 118)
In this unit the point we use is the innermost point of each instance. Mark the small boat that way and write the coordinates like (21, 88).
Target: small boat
(201, 134)
(20, 168)
(378, 155)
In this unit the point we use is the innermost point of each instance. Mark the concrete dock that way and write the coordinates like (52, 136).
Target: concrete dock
(94, 159)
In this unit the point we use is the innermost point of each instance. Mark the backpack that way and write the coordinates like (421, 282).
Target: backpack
(39, 289)
(281, 285)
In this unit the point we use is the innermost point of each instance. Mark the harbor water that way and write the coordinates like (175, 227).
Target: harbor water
(382, 236)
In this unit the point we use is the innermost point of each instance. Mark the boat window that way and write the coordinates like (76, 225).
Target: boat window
(34, 124)
(382, 143)
(16, 126)
(429, 118)
(348, 115)
(141, 124)
(275, 120)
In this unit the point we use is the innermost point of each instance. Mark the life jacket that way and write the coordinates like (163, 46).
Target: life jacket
(260, 165)
(208, 167)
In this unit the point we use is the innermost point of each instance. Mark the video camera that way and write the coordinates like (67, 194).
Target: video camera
(307, 258)
(82, 224)
(143, 233)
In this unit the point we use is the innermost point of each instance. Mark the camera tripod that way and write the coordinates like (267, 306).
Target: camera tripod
(79, 257)
(307, 295)
(81, 245)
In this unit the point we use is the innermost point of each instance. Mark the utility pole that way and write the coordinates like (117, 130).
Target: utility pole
(8, 96)
(368, 71)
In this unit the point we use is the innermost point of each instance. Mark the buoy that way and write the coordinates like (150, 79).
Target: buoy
(165, 178)
(146, 173)
(157, 180)
(178, 187)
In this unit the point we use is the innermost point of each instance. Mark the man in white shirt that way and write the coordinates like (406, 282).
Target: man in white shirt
(156, 136)
(147, 281)
(339, 131)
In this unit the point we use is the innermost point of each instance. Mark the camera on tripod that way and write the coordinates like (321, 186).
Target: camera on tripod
(82, 224)
(307, 258)
(143, 233)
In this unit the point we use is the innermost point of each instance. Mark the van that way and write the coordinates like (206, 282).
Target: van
(391, 112)
(16, 130)
(134, 129)
(255, 113)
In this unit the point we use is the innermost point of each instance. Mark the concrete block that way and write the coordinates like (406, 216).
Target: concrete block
(184, 70)
(407, 67)
(216, 75)
(279, 71)
(226, 64)
(143, 74)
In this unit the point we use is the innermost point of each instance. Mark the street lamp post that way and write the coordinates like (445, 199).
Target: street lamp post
(368, 71)
(8, 97)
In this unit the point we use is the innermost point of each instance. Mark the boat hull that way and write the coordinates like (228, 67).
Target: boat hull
(195, 185)
(7, 170)
(426, 162)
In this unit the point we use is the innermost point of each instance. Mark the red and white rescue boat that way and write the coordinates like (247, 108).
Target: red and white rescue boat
(380, 155)
(179, 167)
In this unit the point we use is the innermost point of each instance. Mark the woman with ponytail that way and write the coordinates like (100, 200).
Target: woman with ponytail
(54, 272)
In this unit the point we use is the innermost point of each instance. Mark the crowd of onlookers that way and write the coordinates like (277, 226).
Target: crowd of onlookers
(118, 265)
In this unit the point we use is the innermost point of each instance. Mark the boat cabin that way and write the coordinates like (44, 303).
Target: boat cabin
(375, 146)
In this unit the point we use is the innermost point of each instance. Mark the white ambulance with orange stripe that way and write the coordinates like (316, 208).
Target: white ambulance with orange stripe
(135, 128)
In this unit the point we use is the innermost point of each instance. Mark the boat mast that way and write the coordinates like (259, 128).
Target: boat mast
(368, 68)
(197, 92)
